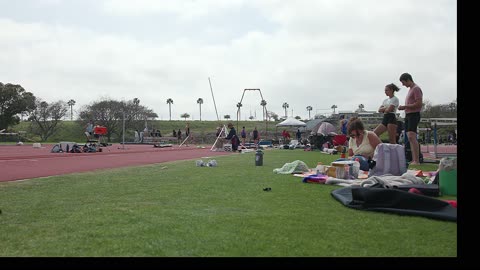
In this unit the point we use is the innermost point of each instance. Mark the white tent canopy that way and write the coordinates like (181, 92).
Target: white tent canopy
(291, 122)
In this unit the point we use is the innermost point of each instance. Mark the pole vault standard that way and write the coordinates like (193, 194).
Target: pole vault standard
(224, 128)
(184, 140)
(262, 102)
(211, 90)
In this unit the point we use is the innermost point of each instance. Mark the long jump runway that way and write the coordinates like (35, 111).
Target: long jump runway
(26, 162)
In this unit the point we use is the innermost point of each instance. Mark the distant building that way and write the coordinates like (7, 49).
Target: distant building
(369, 118)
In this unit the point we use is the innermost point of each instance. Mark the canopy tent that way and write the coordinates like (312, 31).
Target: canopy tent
(310, 125)
(324, 128)
(291, 122)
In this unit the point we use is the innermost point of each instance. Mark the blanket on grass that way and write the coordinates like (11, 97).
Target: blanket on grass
(395, 201)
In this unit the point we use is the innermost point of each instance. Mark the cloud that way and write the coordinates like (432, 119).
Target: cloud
(305, 53)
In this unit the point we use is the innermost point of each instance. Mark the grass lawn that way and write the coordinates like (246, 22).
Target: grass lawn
(178, 209)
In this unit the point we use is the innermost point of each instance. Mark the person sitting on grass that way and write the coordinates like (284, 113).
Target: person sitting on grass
(362, 143)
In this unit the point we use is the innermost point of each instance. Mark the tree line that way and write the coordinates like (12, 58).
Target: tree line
(46, 117)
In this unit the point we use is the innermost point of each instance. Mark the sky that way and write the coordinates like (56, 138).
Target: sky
(316, 53)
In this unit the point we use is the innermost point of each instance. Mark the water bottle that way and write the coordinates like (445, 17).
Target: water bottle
(356, 168)
(346, 167)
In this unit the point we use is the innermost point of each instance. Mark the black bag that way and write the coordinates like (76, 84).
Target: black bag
(408, 153)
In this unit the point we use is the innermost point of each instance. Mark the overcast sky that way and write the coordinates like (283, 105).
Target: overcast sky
(304, 52)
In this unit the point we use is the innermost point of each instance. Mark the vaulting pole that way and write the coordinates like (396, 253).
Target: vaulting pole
(213, 97)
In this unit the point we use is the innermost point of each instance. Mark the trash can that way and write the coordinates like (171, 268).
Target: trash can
(448, 176)
(259, 158)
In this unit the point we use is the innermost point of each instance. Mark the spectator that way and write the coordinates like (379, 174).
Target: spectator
(286, 136)
(187, 133)
(412, 107)
(179, 136)
(137, 136)
(362, 143)
(146, 133)
(244, 135)
(89, 130)
(256, 136)
(218, 142)
(343, 125)
(232, 135)
(389, 109)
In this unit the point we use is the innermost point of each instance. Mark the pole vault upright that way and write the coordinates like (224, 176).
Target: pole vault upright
(224, 128)
(211, 90)
(263, 103)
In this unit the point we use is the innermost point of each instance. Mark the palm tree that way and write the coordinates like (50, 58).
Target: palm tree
(264, 103)
(136, 101)
(200, 102)
(71, 103)
(239, 105)
(334, 107)
(185, 115)
(309, 109)
(285, 106)
(170, 102)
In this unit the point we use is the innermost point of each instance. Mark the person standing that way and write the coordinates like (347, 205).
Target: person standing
(389, 110)
(146, 132)
(255, 136)
(179, 136)
(232, 135)
(343, 125)
(244, 136)
(218, 141)
(187, 133)
(412, 107)
(137, 136)
(89, 130)
(174, 133)
(299, 135)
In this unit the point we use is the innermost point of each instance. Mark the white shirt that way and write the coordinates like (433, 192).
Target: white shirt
(391, 101)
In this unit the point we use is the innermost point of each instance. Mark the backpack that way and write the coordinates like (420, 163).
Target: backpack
(389, 159)
(56, 149)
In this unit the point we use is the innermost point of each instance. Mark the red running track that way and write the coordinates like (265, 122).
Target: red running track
(26, 162)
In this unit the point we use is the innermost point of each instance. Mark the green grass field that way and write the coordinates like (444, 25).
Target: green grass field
(176, 209)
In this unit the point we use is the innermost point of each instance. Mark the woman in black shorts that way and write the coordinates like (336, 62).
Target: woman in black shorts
(389, 110)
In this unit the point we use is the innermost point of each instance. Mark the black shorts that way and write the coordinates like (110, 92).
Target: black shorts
(389, 118)
(411, 121)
